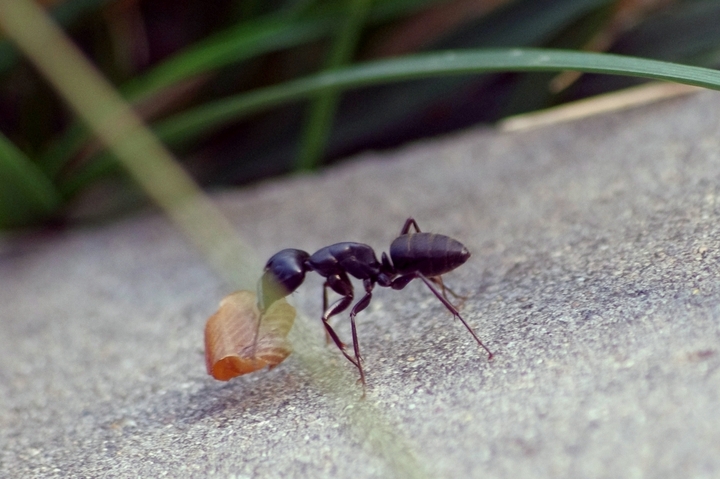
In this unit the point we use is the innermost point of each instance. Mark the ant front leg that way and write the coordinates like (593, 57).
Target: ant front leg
(406, 227)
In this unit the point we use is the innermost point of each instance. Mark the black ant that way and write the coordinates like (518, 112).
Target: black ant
(414, 255)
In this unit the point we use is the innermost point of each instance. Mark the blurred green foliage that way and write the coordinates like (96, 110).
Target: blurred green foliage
(220, 85)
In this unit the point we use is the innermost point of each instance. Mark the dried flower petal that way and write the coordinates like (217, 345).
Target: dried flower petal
(234, 345)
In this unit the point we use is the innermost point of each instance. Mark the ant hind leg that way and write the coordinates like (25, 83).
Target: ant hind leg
(439, 281)
(406, 227)
(454, 312)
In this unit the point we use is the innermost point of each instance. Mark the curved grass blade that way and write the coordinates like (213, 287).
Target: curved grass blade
(194, 123)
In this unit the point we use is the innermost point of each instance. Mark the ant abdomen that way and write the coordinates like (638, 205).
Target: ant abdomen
(427, 253)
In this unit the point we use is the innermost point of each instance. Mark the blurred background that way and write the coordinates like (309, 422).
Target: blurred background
(187, 67)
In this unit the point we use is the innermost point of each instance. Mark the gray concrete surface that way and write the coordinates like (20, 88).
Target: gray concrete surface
(594, 278)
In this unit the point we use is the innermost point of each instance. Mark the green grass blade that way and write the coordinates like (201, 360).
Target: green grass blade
(114, 122)
(518, 24)
(194, 123)
(25, 192)
(236, 44)
(534, 91)
(245, 41)
(322, 111)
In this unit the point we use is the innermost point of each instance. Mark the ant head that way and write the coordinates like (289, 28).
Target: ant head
(284, 272)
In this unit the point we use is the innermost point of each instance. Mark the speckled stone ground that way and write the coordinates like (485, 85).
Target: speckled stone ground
(594, 278)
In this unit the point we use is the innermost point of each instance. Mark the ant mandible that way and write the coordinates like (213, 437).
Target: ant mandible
(414, 255)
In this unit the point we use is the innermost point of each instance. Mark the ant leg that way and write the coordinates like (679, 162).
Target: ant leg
(325, 307)
(359, 306)
(325, 299)
(340, 284)
(341, 346)
(454, 311)
(401, 281)
(406, 227)
(439, 281)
